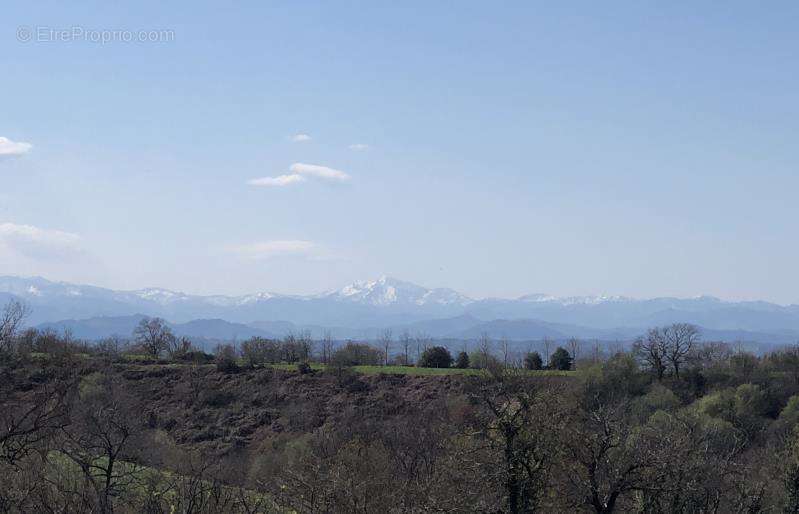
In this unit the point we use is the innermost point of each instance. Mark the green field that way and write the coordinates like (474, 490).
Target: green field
(365, 370)
(411, 370)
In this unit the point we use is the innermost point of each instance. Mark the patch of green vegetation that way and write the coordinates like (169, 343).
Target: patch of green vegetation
(293, 367)
(411, 370)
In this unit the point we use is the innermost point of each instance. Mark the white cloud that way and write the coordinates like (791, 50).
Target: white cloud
(359, 147)
(280, 248)
(37, 242)
(300, 138)
(322, 172)
(279, 181)
(299, 172)
(13, 148)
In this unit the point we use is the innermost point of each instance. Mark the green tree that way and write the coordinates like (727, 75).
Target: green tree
(436, 357)
(533, 361)
(463, 360)
(561, 360)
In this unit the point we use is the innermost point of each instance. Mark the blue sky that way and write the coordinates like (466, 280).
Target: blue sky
(632, 148)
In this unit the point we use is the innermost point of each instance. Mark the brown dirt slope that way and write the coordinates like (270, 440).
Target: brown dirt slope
(201, 408)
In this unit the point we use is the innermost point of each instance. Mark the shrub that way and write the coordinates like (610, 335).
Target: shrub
(789, 416)
(462, 361)
(746, 407)
(226, 359)
(356, 354)
(436, 357)
(533, 361)
(197, 357)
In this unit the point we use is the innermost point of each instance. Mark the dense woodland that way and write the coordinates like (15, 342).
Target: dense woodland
(673, 424)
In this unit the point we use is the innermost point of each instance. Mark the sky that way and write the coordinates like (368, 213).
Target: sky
(627, 148)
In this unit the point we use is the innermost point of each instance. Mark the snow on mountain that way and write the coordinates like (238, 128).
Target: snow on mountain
(390, 302)
(33, 288)
(160, 296)
(390, 291)
(38, 287)
(573, 300)
(234, 301)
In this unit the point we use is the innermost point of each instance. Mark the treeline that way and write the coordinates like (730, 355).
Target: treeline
(674, 425)
(153, 340)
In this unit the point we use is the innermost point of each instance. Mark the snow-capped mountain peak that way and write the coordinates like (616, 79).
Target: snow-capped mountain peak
(390, 291)
(162, 296)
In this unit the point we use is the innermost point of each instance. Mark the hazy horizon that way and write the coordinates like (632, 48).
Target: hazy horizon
(639, 150)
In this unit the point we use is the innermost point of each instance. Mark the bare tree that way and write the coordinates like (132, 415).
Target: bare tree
(105, 423)
(667, 346)
(604, 459)
(574, 348)
(516, 421)
(505, 350)
(327, 346)
(484, 348)
(422, 343)
(405, 340)
(110, 346)
(26, 423)
(306, 345)
(681, 338)
(11, 320)
(177, 347)
(652, 351)
(385, 339)
(547, 343)
(153, 335)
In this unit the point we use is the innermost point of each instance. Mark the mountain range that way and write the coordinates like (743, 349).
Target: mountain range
(363, 309)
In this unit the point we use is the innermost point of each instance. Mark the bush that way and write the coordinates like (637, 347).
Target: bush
(789, 416)
(356, 354)
(226, 359)
(533, 361)
(463, 361)
(746, 407)
(436, 357)
(197, 357)
(560, 360)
